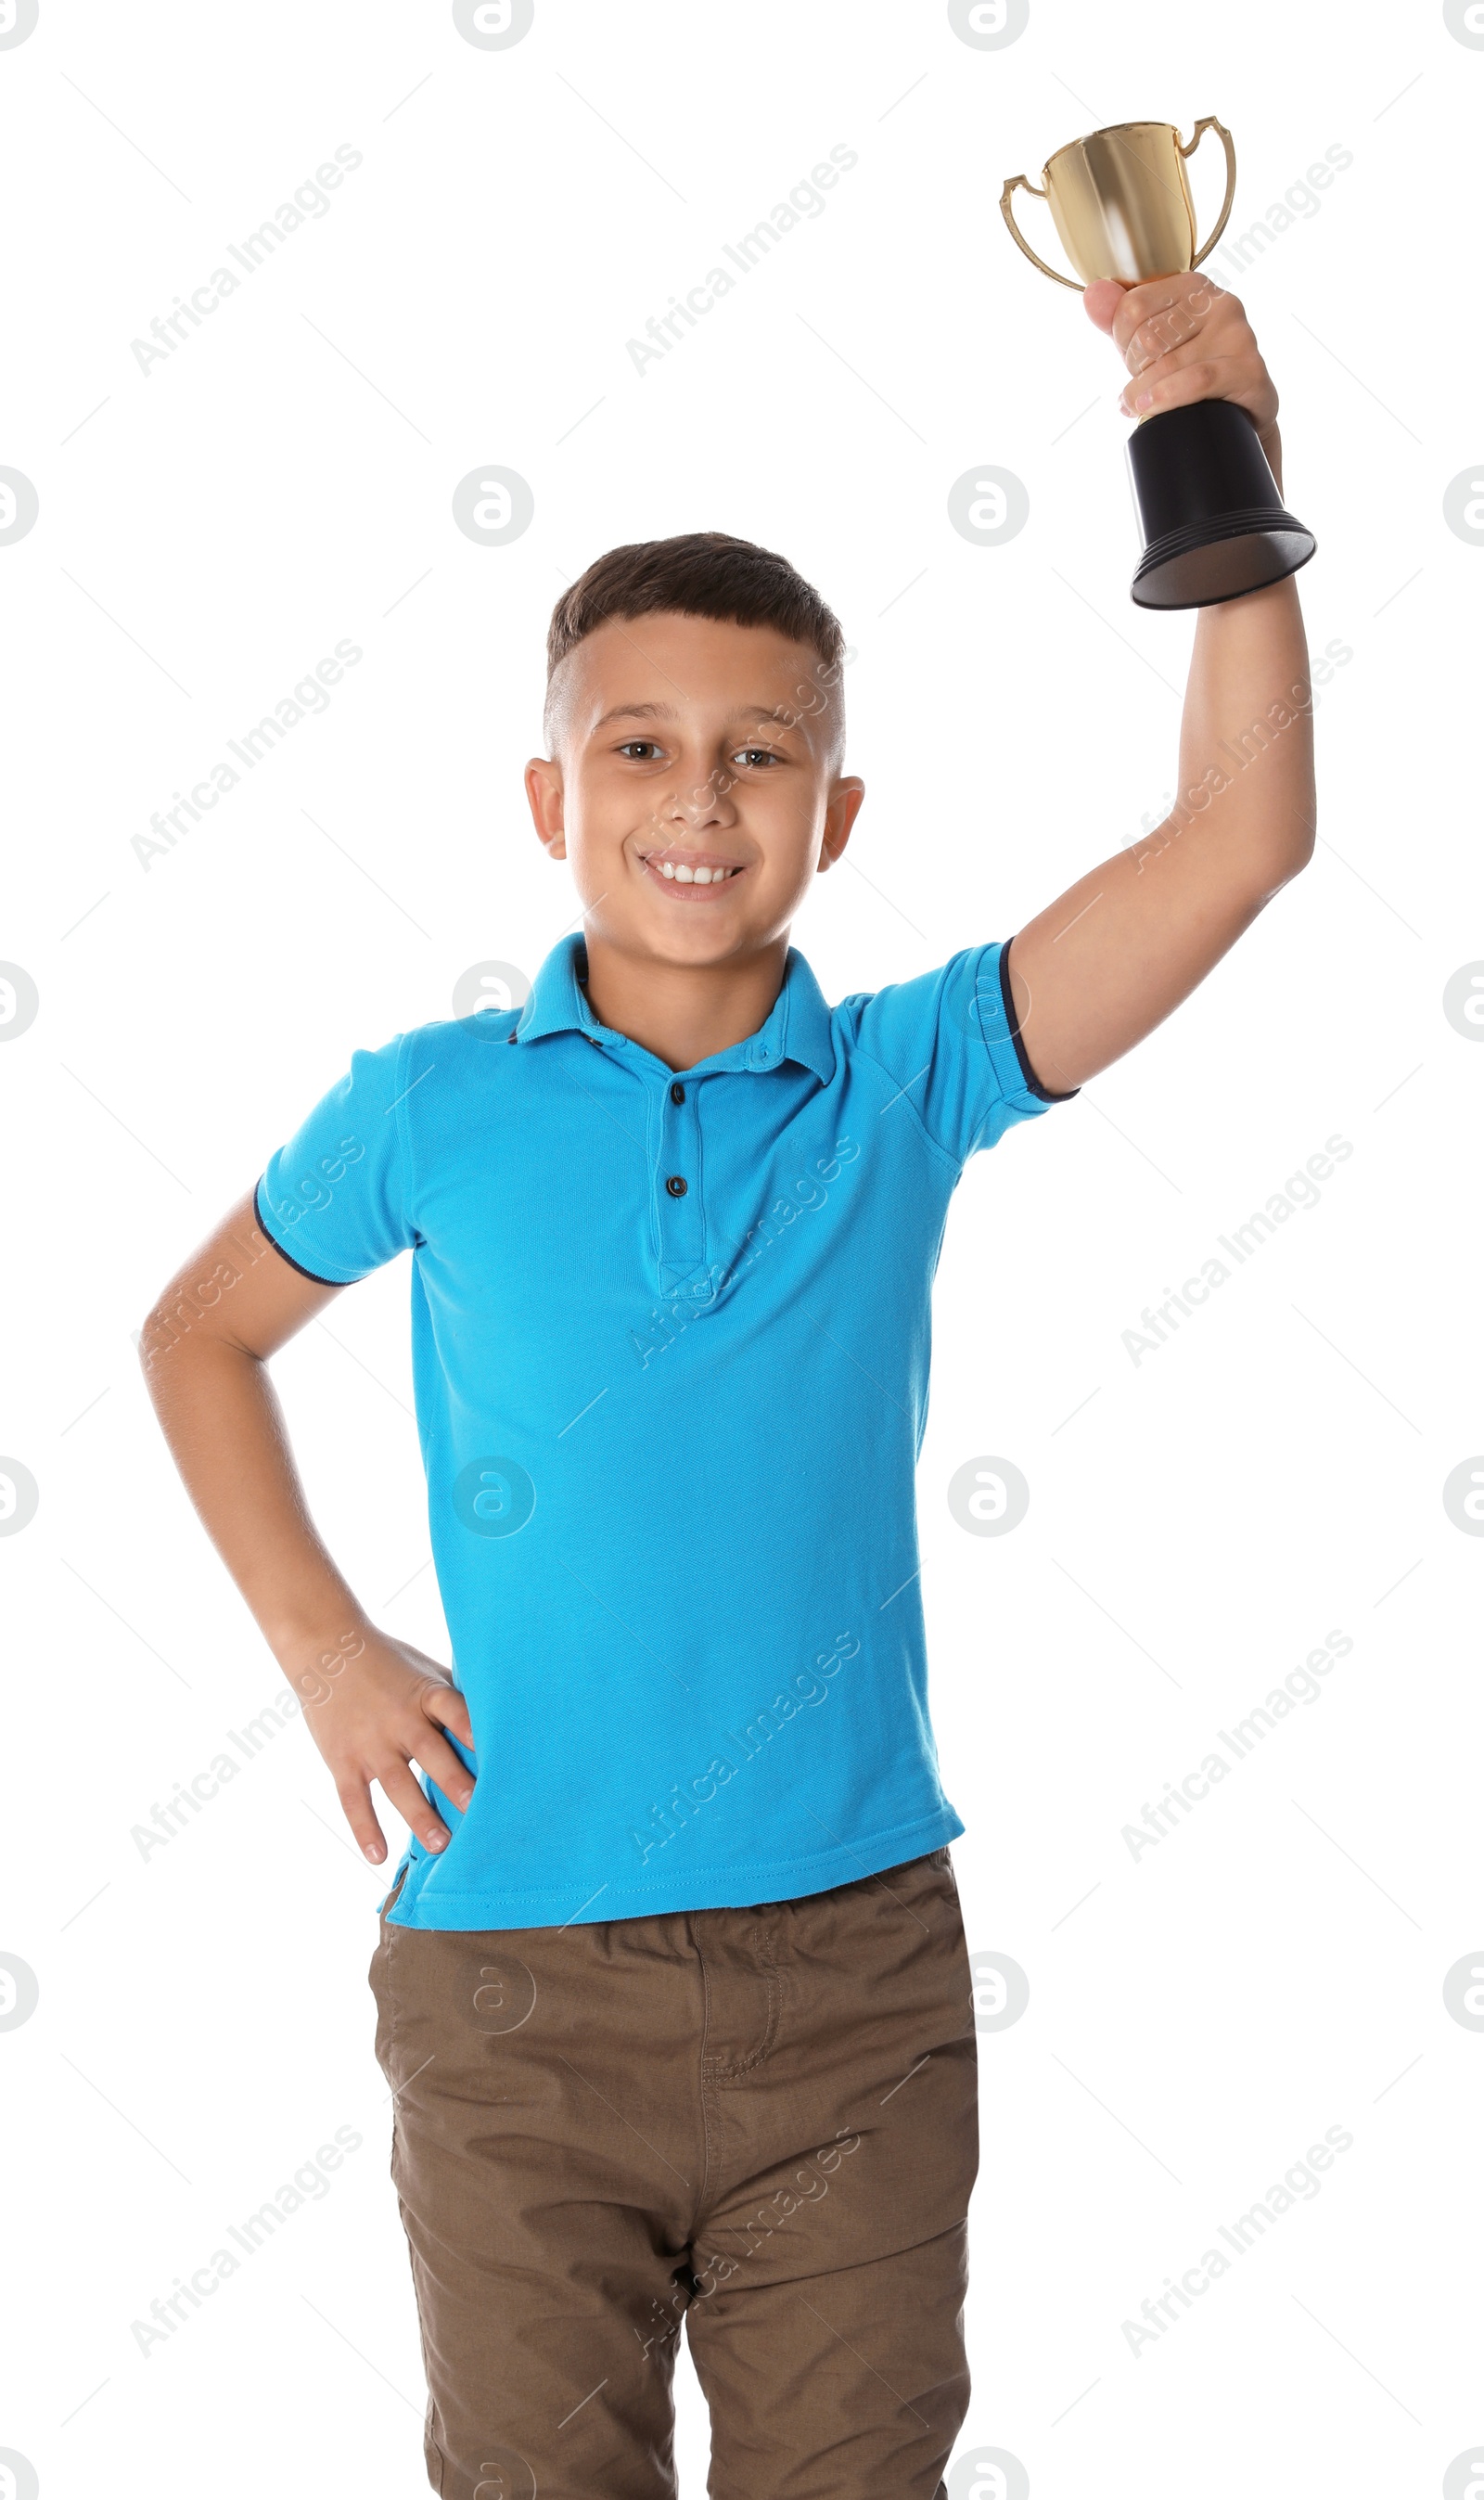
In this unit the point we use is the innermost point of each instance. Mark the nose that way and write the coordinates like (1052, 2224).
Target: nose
(701, 802)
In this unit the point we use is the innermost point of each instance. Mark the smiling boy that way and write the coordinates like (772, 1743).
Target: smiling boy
(671, 1983)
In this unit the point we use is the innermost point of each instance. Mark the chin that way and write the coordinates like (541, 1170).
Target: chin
(695, 945)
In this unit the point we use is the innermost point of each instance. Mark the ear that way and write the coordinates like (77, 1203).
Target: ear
(846, 801)
(547, 803)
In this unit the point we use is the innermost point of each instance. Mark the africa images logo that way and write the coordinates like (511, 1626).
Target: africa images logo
(493, 1496)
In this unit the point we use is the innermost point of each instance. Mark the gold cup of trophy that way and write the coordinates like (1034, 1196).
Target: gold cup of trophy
(1210, 516)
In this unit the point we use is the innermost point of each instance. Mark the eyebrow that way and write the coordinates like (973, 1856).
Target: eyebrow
(778, 713)
(636, 711)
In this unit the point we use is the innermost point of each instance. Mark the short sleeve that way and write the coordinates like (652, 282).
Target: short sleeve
(952, 1040)
(335, 1198)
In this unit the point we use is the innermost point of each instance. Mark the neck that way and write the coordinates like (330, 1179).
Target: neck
(683, 1012)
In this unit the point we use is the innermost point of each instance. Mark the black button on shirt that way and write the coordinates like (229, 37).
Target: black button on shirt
(676, 1185)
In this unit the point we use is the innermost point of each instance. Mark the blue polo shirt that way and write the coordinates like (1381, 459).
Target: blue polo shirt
(671, 1339)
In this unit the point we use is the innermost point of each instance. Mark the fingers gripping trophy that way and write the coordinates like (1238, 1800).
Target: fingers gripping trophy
(1210, 516)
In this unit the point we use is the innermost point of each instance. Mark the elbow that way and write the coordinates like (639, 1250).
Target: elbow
(1286, 854)
(161, 1330)
(1304, 829)
(1302, 848)
(152, 1339)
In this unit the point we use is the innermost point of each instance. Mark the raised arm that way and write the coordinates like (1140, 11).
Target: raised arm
(1114, 955)
(374, 1705)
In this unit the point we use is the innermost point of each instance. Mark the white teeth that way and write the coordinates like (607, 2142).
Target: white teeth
(704, 875)
(679, 875)
(667, 869)
(684, 875)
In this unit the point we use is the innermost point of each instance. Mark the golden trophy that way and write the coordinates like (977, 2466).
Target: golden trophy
(1211, 517)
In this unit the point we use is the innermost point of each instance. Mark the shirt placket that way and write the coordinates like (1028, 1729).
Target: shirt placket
(679, 1211)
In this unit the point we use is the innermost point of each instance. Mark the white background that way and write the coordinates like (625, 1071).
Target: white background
(1198, 1521)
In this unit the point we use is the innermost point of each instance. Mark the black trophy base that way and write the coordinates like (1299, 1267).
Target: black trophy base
(1209, 513)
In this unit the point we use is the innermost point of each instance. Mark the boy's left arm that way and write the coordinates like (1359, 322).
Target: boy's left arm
(1105, 964)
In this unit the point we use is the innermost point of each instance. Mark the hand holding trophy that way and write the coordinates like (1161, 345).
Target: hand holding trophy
(1210, 516)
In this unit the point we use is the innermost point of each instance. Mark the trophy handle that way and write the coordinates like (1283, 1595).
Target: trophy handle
(1225, 137)
(1019, 182)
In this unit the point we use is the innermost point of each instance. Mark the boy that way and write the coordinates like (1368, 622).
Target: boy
(671, 1986)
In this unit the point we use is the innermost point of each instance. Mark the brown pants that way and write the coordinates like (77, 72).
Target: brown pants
(761, 2122)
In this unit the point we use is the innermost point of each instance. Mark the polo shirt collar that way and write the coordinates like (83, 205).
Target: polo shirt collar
(557, 1003)
(797, 1027)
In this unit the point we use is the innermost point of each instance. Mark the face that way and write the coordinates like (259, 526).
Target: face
(694, 788)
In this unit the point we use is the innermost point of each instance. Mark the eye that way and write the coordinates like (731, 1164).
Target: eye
(641, 750)
(756, 757)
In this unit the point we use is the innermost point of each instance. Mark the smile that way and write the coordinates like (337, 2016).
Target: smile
(690, 876)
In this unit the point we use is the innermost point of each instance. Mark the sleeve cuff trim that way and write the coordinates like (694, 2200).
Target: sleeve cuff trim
(1033, 1084)
(263, 1226)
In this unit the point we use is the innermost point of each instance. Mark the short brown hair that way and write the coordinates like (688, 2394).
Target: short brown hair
(703, 574)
